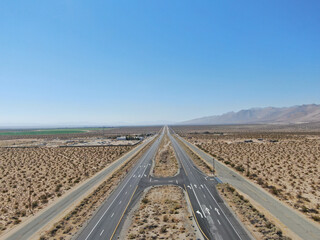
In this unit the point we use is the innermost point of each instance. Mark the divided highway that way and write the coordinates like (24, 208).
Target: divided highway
(213, 218)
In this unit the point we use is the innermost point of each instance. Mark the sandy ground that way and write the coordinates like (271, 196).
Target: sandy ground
(75, 142)
(166, 164)
(161, 214)
(31, 178)
(68, 226)
(256, 222)
(287, 165)
(203, 166)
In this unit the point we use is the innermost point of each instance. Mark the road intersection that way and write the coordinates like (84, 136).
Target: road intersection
(213, 218)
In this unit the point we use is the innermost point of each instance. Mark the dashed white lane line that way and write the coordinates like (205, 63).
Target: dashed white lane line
(120, 202)
(218, 221)
(112, 214)
(126, 193)
(223, 213)
(101, 232)
(204, 196)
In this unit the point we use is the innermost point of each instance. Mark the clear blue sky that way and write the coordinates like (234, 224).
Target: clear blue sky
(130, 61)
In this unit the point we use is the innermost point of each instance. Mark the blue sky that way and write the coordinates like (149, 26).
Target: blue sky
(143, 61)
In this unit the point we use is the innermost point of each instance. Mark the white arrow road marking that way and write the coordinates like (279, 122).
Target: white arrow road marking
(216, 209)
(208, 211)
(101, 232)
(189, 186)
(200, 213)
(198, 202)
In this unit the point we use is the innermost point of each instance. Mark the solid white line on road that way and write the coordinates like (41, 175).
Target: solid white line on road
(112, 214)
(223, 212)
(101, 232)
(218, 221)
(110, 205)
(198, 202)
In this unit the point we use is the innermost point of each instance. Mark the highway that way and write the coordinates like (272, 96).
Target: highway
(41, 219)
(295, 221)
(105, 223)
(213, 218)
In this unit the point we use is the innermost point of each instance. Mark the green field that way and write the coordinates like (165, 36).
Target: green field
(43, 132)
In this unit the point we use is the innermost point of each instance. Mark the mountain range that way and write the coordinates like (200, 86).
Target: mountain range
(268, 115)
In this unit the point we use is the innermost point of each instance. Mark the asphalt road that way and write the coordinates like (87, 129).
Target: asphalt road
(105, 223)
(293, 220)
(27, 230)
(212, 216)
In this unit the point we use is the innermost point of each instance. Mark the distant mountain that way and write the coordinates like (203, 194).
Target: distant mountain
(296, 114)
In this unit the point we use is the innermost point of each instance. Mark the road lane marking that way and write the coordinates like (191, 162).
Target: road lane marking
(208, 211)
(123, 214)
(204, 196)
(134, 170)
(198, 201)
(101, 232)
(112, 215)
(218, 221)
(224, 214)
(216, 209)
(195, 217)
(199, 213)
(120, 202)
(177, 181)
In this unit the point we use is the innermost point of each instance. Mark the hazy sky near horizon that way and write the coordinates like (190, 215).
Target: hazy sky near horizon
(68, 61)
